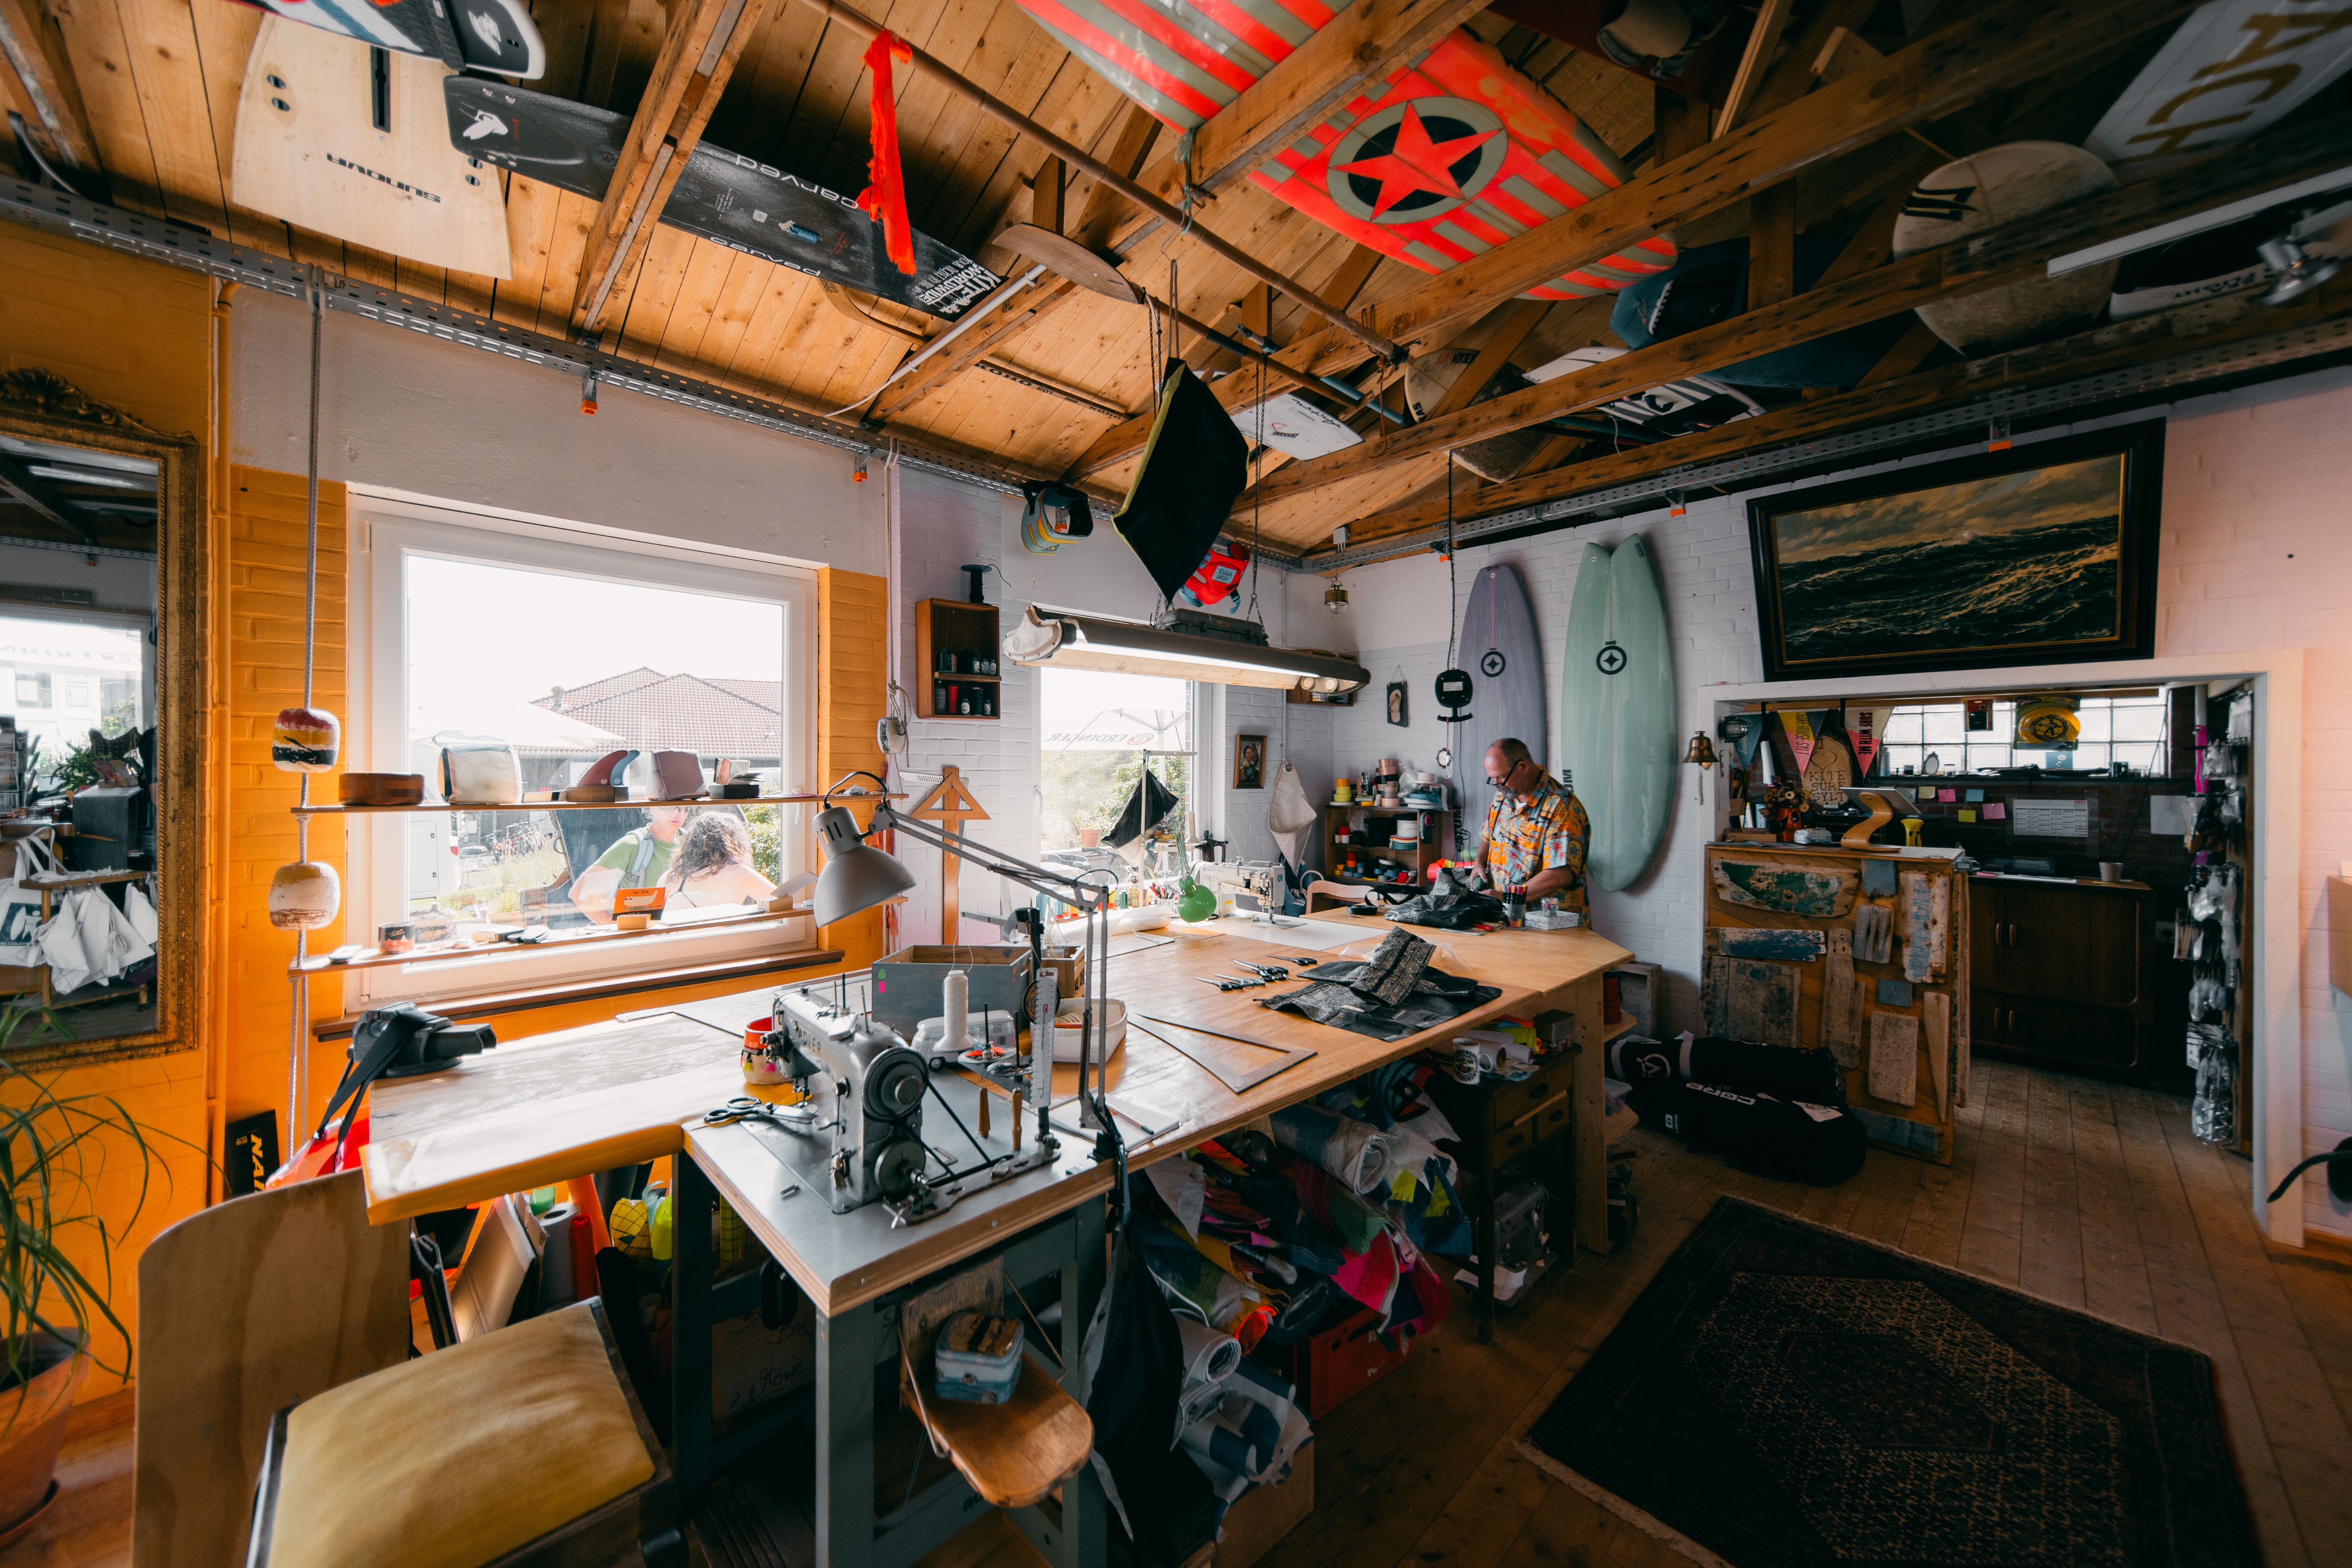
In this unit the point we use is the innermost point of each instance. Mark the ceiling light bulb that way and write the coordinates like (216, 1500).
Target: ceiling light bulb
(1335, 598)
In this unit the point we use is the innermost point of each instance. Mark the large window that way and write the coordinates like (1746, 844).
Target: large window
(568, 650)
(2128, 730)
(1096, 729)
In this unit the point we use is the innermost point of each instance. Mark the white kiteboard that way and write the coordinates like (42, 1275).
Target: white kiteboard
(353, 142)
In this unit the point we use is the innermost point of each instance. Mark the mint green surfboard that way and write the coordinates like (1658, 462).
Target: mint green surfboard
(1617, 710)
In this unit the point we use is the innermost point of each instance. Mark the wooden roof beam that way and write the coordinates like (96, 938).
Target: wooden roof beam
(2005, 43)
(17, 481)
(2202, 327)
(35, 54)
(706, 37)
(1079, 158)
(2011, 253)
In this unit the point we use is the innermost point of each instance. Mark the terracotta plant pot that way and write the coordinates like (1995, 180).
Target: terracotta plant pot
(33, 1427)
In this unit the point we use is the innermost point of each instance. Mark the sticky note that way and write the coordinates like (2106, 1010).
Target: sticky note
(1976, 795)
(1995, 811)
(1967, 816)
(1948, 795)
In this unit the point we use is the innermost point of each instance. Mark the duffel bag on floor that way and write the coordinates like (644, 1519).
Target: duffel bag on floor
(1788, 1141)
(1750, 1067)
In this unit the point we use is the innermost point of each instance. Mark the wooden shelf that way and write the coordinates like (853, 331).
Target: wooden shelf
(377, 959)
(444, 806)
(953, 626)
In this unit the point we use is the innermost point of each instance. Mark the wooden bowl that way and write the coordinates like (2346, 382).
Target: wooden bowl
(381, 789)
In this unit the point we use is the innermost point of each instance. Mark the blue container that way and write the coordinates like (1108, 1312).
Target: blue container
(977, 1358)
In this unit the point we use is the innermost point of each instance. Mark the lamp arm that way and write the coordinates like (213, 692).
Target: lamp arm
(1037, 879)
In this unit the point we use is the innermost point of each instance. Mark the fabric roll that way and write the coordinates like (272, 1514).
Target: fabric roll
(1352, 1150)
(1209, 1356)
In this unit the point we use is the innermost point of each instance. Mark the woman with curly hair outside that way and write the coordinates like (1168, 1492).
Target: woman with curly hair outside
(713, 866)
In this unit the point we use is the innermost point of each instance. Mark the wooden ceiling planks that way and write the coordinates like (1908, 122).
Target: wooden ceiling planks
(118, 119)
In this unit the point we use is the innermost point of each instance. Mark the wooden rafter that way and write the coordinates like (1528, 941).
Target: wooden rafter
(33, 55)
(1755, 60)
(2207, 328)
(2000, 47)
(698, 53)
(996, 108)
(2011, 253)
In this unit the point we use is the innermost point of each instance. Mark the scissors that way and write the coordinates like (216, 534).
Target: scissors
(743, 1107)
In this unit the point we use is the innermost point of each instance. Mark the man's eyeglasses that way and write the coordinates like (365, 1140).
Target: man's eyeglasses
(1509, 773)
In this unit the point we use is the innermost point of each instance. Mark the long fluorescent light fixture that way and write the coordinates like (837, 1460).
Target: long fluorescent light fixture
(1129, 647)
(2197, 223)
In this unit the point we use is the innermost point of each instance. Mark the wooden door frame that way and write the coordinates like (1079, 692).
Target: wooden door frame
(2277, 900)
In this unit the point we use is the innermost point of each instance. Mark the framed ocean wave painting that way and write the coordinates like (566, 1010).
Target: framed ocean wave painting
(2044, 553)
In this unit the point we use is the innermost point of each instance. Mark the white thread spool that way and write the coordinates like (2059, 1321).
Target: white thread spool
(955, 1006)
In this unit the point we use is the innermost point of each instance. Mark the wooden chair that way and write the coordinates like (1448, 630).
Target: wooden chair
(525, 1447)
(246, 1308)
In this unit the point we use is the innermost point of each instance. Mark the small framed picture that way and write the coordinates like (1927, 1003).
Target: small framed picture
(1397, 704)
(1249, 761)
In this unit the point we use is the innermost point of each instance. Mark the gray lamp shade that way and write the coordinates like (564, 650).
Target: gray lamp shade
(856, 875)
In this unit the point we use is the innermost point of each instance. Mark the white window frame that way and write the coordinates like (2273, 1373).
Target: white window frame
(386, 530)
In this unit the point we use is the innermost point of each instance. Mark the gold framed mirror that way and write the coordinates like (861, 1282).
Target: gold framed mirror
(102, 632)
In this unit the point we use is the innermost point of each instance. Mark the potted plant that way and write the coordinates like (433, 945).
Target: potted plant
(49, 1144)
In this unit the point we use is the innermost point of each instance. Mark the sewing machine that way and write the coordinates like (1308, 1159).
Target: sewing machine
(1261, 879)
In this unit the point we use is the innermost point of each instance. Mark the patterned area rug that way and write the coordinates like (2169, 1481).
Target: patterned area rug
(1784, 1395)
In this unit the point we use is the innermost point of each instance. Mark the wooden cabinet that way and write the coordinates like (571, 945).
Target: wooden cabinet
(2063, 972)
(1436, 844)
(951, 637)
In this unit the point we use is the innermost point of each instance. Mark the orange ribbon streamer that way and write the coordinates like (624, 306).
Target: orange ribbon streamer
(884, 201)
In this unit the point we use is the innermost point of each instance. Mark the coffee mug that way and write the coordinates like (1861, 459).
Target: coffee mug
(2111, 870)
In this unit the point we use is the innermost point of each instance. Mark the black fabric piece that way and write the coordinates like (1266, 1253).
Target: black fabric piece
(1750, 1067)
(1148, 804)
(1449, 907)
(1785, 1396)
(1438, 997)
(1774, 1138)
(1167, 1498)
(1395, 967)
(1194, 465)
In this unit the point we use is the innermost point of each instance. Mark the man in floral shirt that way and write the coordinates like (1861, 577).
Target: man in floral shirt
(1536, 832)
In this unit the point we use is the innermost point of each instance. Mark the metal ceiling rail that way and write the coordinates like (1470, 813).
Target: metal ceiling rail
(180, 244)
(1748, 470)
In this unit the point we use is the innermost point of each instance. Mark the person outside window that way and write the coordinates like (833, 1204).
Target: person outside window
(712, 867)
(1537, 831)
(639, 859)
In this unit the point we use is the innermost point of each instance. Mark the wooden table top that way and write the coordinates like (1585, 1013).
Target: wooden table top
(583, 1100)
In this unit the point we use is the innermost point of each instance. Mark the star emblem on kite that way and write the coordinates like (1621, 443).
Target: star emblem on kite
(1416, 162)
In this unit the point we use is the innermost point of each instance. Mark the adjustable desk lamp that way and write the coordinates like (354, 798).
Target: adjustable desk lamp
(857, 875)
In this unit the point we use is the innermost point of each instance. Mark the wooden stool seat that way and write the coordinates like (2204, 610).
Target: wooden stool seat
(1014, 1453)
(522, 1446)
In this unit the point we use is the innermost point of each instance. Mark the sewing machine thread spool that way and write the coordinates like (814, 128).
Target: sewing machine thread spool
(955, 999)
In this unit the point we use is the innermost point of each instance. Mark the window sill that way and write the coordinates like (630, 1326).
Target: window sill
(590, 990)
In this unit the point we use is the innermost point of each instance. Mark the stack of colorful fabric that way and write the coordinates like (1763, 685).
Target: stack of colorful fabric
(1270, 1238)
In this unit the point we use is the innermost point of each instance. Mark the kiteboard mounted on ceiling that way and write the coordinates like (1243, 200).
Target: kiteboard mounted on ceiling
(1674, 43)
(1449, 157)
(346, 140)
(483, 35)
(723, 198)
(1445, 159)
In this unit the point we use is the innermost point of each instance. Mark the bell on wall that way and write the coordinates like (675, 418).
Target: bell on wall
(306, 741)
(1702, 756)
(305, 895)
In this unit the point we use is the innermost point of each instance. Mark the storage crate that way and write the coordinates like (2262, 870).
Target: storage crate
(1342, 1360)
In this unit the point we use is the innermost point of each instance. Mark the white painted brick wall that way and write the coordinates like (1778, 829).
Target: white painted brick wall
(2256, 554)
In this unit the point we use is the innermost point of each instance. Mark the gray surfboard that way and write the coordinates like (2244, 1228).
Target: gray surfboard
(1500, 648)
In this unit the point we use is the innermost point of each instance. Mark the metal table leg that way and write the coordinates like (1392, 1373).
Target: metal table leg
(845, 1438)
(689, 1340)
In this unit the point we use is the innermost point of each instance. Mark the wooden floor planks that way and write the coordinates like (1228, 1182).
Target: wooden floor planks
(2082, 1191)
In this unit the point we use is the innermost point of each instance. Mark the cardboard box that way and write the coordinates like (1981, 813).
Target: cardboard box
(752, 1366)
(1263, 1515)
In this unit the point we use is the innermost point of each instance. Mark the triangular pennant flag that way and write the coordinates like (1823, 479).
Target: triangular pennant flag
(1863, 726)
(1802, 735)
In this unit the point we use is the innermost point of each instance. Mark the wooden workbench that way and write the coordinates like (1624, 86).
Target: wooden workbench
(586, 1099)
(560, 1105)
